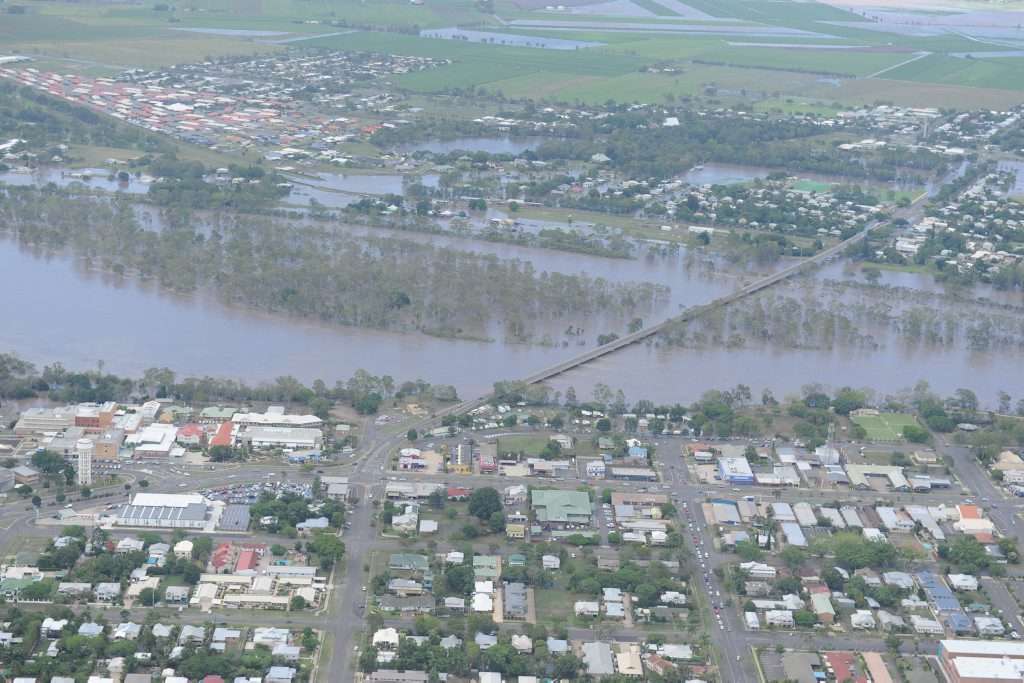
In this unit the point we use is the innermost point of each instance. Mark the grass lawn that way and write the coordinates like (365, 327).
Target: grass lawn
(27, 544)
(531, 444)
(172, 580)
(878, 457)
(885, 427)
(811, 186)
(554, 604)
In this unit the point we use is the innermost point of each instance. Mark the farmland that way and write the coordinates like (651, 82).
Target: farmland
(734, 51)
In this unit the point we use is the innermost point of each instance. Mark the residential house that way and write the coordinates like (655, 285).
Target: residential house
(516, 495)
(598, 658)
(485, 640)
(863, 619)
(408, 562)
(822, 605)
(288, 653)
(925, 625)
(451, 642)
(191, 634)
(127, 630)
(759, 570)
(899, 579)
(890, 622)
(775, 617)
(161, 631)
(522, 644)
(105, 592)
(405, 587)
(989, 627)
(556, 646)
(279, 674)
(514, 601)
(628, 662)
(90, 629)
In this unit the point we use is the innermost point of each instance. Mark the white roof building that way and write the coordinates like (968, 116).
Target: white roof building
(963, 582)
(862, 618)
(482, 602)
(276, 420)
(925, 625)
(779, 617)
(989, 626)
(898, 579)
(759, 570)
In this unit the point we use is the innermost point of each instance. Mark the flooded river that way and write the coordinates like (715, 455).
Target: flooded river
(62, 312)
(79, 317)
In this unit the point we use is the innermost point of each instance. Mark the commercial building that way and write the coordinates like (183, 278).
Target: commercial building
(42, 420)
(23, 474)
(336, 488)
(156, 442)
(632, 474)
(273, 418)
(168, 510)
(894, 475)
(561, 509)
(107, 444)
(978, 661)
(259, 438)
(735, 471)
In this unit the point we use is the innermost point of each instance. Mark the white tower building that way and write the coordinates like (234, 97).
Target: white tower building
(84, 448)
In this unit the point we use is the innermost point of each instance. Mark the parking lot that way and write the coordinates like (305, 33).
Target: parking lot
(247, 494)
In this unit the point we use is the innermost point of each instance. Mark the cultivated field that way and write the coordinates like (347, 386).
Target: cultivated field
(753, 51)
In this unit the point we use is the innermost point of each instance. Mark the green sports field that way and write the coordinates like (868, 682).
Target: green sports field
(811, 186)
(885, 427)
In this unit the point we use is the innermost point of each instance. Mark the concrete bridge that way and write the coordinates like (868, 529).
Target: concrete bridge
(688, 314)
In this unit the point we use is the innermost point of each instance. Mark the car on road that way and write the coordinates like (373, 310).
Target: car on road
(364, 589)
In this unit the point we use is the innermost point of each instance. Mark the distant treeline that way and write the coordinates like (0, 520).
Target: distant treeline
(22, 379)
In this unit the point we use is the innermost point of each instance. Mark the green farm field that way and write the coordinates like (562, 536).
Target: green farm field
(999, 73)
(656, 55)
(845, 62)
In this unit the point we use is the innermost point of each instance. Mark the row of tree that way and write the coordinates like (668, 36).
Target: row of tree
(312, 271)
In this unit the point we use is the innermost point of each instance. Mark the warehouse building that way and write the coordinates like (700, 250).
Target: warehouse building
(166, 510)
